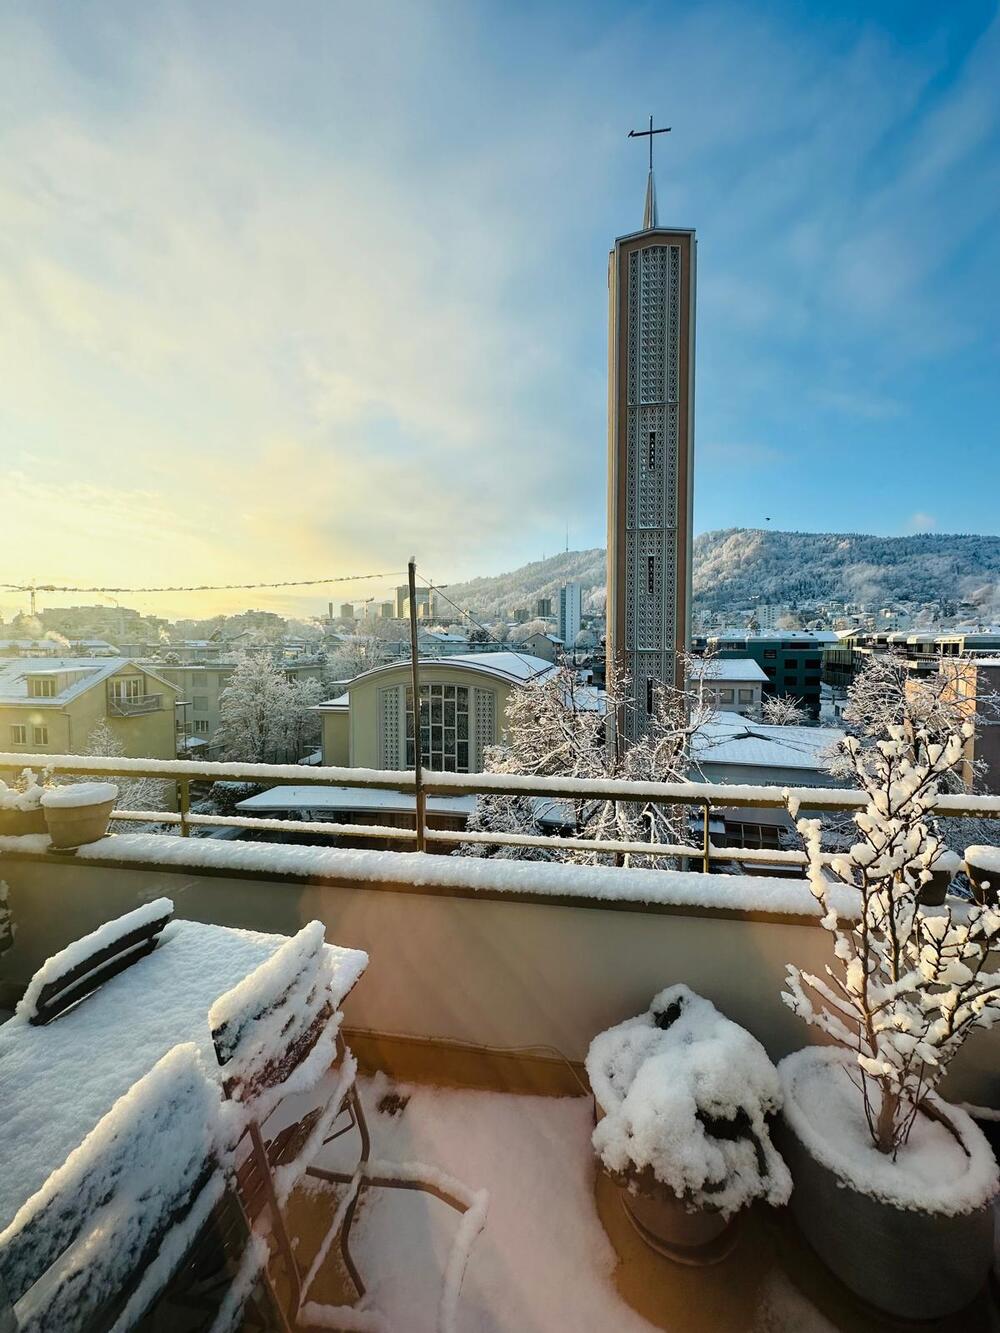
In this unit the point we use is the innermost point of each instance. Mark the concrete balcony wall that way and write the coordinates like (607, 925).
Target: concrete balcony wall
(496, 970)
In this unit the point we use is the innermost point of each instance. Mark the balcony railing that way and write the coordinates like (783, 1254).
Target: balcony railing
(700, 796)
(135, 707)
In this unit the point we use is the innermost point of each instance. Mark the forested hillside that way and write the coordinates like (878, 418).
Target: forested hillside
(737, 566)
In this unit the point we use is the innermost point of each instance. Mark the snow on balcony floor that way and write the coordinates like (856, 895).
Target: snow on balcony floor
(544, 1263)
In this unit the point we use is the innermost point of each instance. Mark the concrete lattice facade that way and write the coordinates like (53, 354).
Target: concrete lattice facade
(650, 456)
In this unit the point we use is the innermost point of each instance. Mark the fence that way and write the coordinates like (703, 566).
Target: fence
(700, 796)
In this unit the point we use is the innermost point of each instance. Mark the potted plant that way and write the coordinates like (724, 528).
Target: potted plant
(982, 865)
(893, 1186)
(682, 1099)
(21, 804)
(943, 870)
(79, 813)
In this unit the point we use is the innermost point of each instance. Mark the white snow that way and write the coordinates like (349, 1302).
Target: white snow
(353, 799)
(728, 668)
(652, 1081)
(26, 794)
(80, 950)
(79, 794)
(274, 1007)
(543, 1263)
(79, 1065)
(984, 858)
(934, 1171)
(610, 883)
(115, 1189)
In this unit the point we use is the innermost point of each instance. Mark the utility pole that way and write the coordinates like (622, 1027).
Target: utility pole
(418, 756)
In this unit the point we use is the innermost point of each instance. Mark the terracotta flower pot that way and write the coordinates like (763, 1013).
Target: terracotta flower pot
(15, 823)
(80, 813)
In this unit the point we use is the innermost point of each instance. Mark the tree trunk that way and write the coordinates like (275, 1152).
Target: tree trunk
(886, 1118)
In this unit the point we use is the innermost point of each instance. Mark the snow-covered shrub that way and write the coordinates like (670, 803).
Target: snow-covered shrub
(685, 1094)
(909, 983)
(26, 792)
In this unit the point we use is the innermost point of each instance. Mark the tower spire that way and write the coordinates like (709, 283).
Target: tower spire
(649, 218)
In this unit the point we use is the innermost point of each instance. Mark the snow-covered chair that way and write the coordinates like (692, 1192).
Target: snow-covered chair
(283, 1057)
(115, 1227)
(79, 969)
(278, 1042)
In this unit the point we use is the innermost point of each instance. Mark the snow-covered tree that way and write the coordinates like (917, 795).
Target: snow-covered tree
(562, 728)
(133, 793)
(783, 711)
(909, 983)
(347, 658)
(254, 710)
(304, 725)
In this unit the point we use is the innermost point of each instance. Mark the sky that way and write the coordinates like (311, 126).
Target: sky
(301, 290)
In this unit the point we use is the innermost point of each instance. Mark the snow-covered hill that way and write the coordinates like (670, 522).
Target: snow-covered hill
(735, 566)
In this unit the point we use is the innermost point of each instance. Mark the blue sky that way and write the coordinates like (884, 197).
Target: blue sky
(304, 289)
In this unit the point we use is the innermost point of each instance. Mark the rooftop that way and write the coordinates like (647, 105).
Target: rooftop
(731, 668)
(15, 670)
(757, 745)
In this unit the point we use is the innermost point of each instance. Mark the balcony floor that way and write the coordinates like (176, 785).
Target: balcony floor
(545, 1262)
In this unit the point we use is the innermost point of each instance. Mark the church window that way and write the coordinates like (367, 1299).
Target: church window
(650, 574)
(652, 449)
(444, 728)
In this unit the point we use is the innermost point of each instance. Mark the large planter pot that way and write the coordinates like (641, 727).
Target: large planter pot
(909, 1261)
(935, 891)
(79, 814)
(14, 823)
(982, 864)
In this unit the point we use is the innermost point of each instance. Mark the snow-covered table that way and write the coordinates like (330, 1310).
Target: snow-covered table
(57, 1081)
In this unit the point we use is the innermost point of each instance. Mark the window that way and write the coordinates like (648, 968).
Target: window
(746, 696)
(444, 728)
(791, 664)
(770, 654)
(41, 687)
(650, 573)
(200, 703)
(770, 671)
(201, 726)
(812, 663)
(650, 695)
(724, 696)
(39, 735)
(19, 734)
(652, 449)
(124, 688)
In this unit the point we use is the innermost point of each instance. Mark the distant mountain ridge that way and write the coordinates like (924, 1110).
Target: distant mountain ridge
(741, 566)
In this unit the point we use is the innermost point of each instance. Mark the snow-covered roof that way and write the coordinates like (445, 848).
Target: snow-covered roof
(443, 636)
(338, 705)
(782, 635)
(732, 668)
(515, 668)
(15, 670)
(356, 800)
(756, 745)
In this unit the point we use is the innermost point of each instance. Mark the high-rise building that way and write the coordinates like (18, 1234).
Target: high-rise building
(650, 455)
(543, 608)
(570, 606)
(347, 610)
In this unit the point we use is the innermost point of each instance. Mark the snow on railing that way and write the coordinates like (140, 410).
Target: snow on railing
(704, 796)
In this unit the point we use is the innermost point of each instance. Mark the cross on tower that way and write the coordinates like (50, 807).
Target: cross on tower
(643, 134)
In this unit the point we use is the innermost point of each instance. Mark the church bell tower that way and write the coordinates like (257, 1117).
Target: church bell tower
(651, 285)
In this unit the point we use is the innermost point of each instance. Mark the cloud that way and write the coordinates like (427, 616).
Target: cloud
(921, 522)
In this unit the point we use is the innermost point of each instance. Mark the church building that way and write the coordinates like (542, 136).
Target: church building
(651, 282)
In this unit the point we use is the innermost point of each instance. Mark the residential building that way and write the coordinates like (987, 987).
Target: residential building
(731, 685)
(199, 688)
(792, 660)
(53, 706)
(543, 608)
(570, 610)
(549, 647)
(651, 286)
(440, 643)
(346, 610)
(465, 699)
(977, 681)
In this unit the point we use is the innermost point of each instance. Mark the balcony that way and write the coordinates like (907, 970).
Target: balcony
(486, 983)
(134, 707)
